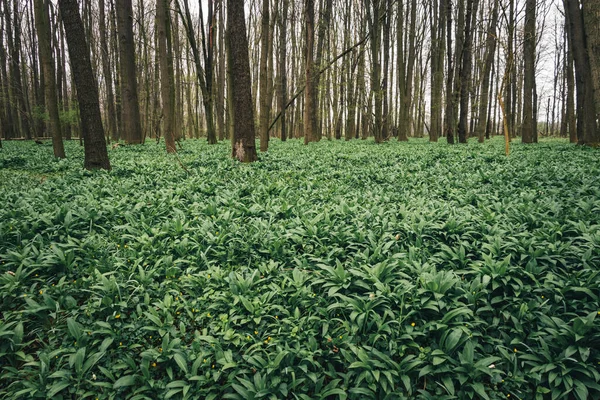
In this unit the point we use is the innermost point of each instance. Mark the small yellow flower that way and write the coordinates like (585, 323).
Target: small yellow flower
(217, 233)
(41, 291)
(154, 364)
(75, 344)
(74, 281)
(341, 337)
(120, 343)
(208, 276)
(269, 338)
(125, 246)
(542, 296)
(204, 360)
(160, 349)
(276, 317)
(208, 315)
(118, 316)
(26, 295)
(515, 350)
(412, 324)
(213, 366)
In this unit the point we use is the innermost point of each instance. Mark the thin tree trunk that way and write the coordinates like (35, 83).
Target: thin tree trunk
(167, 81)
(111, 116)
(490, 52)
(529, 73)
(265, 101)
(42, 25)
(310, 98)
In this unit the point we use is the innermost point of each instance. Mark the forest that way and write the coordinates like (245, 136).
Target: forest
(299, 199)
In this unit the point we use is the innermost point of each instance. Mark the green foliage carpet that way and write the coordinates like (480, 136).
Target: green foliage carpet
(334, 270)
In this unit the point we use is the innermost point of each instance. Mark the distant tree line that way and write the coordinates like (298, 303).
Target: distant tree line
(132, 70)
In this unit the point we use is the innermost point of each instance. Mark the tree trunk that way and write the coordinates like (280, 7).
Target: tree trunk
(265, 101)
(96, 155)
(167, 84)
(243, 143)
(586, 111)
(529, 73)
(591, 19)
(42, 26)
(132, 126)
(310, 97)
(282, 89)
(111, 116)
(465, 71)
(490, 52)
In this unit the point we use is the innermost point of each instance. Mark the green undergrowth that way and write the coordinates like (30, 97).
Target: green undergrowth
(334, 270)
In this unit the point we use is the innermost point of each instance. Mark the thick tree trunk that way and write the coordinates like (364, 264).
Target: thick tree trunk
(586, 110)
(243, 143)
(591, 19)
(131, 120)
(96, 155)
(42, 26)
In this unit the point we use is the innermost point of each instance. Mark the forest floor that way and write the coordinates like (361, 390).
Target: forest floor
(334, 270)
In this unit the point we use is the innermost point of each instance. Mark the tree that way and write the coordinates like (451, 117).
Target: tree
(167, 81)
(243, 144)
(529, 130)
(42, 26)
(96, 155)
(310, 95)
(282, 88)
(490, 50)
(586, 111)
(132, 126)
(265, 100)
(111, 114)
(203, 74)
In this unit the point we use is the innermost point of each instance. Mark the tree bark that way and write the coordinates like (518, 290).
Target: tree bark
(167, 84)
(243, 143)
(587, 130)
(96, 155)
(282, 88)
(490, 51)
(265, 100)
(42, 25)
(131, 120)
(529, 73)
(111, 116)
(310, 97)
